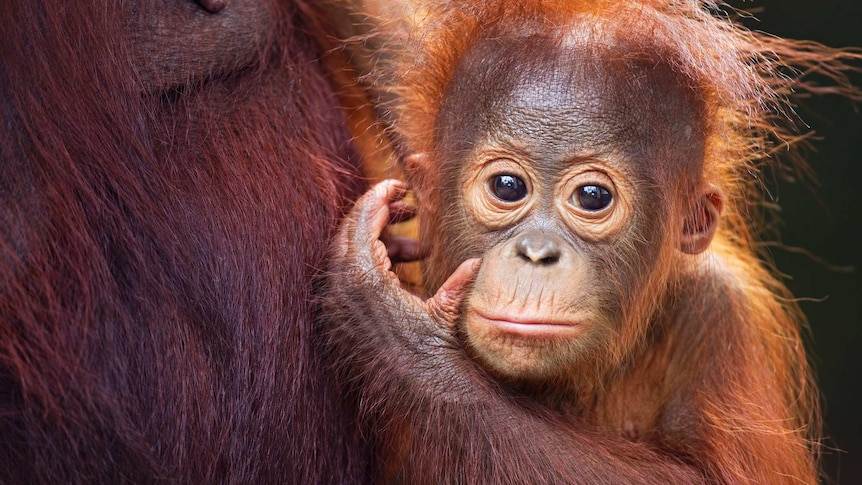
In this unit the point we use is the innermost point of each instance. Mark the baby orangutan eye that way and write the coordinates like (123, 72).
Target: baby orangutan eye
(507, 188)
(592, 198)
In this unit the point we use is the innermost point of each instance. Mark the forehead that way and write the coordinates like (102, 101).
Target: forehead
(562, 98)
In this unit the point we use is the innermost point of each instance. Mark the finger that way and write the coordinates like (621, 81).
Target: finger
(372, 210)
(400, 211)
(446, 303)
(403, 249)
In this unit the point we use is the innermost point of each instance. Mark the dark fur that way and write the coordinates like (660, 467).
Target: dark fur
(168, 177)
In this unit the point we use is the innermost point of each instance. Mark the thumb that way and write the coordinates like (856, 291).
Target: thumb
(446, 303)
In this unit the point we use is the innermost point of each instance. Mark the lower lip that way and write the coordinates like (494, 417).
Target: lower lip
(531, 329)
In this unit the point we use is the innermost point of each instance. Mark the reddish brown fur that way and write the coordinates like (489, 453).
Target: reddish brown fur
(715, 387)
(165, 190)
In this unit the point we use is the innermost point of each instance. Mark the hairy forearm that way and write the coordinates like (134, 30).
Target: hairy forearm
(421, 395)
(525, 444)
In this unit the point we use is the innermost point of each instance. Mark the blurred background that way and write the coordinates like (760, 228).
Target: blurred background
(823, 217)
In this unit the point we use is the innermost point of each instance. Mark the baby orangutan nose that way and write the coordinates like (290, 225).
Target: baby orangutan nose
(539, 248)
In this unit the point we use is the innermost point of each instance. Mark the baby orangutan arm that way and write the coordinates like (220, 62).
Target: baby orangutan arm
(437, 416)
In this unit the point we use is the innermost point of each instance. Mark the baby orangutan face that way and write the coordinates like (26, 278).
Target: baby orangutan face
(571, 190)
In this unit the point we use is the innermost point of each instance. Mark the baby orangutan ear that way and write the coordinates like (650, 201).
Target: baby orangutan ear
(701, 222)
(418, 170)
(417, 163)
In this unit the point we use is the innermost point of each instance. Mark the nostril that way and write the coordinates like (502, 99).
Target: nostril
(549, 260)
(212, 6)
(538, 249)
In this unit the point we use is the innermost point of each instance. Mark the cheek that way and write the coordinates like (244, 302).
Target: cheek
(442, 243)
(636, 269)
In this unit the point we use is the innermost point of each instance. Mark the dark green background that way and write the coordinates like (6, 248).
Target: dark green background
(824, 218)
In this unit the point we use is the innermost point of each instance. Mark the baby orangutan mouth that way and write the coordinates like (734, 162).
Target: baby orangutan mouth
(522, 326)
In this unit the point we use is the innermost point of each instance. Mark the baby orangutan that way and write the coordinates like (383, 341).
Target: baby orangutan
(591, 322)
